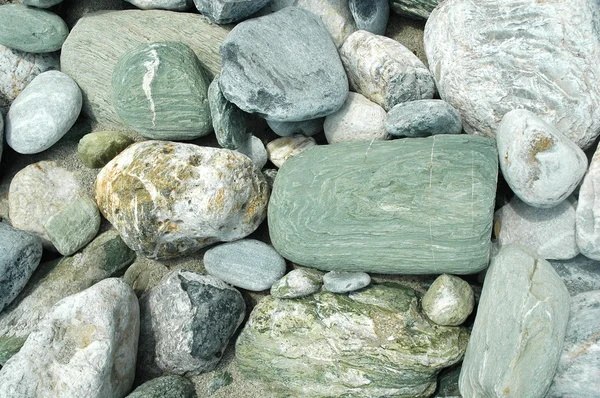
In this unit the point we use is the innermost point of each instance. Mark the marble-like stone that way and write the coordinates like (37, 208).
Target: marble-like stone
(255, 150)
(306, 127)
(423, 118)
(448, 301)
(370, 15)
(344, 282)
(165, 387)
(173, 5)
(228, 11)
(297, 283)
(284, 148)
(100, 147)
(588, 211)
(191, 197)
(415, 9)
(580, 274)
(385, 71)
(229, 122)
(415, 206)
(519, 329)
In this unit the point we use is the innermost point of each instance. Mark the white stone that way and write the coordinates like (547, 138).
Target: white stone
(255, 150)
(284, 148)
(175, 5)
(588, 211)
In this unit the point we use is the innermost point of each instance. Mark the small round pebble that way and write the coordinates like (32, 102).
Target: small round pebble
(307, 127)
(423, 118)
(97, 149)
(297, 283)
(448, 301)
(284, 148)
(343, 282)
(255, 150)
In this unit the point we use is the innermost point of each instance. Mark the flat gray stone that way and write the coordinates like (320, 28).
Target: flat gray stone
(284, 148)
(580, 274)
(165, 387)
(344, 282)
(448, 301)
(40, 3)
(415, 9)
(100, 147)
(306, 127)
(423, 118)
(256, 151)
(370, 15)
(300, 282)
(588, 209)
(173, 5)
(228, 11)
(229, 122)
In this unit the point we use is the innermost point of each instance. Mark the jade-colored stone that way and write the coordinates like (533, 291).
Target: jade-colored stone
(409, 206)
(448, 301)
(229, 122)
(165, 387)
(97, 149)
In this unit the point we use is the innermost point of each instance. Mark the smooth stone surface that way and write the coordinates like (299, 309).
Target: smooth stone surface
(43, 113)
(173, 5)
(165, 387)
(418, 206)
(344, 282)
(580, 274)
(21, 254)
(85, 347)
(98, 148)
(540, 164)
(370, 15)
(247, 263)
(588, 211)
(372, 343)
(357, 120)
(416, 9)
(423, 118)
(255, 150)
(300, 282)
(385, 71)
(283, 66)
(40, 3)
(228, 11)
(517, 336)
(229, 122)
(448, 301)
(284, 148)
(536, 56)
(306, 127)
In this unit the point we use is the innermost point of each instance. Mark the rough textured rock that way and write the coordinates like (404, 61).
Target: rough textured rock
(98, 148)
(448, 301)
(85, 347)
(423, 118)
(370, 15)
(165, 387)
(227, 11)
(518, 332)
(229, 122)
(299, 282)
(307, 127)
(283, 66)
(344, 282)
(423, 205)
(588, 211)
(281, 149)
(160, 90)
(381, 345)
(174, 5)
(417, 9)
(579, 274)
(536, 56)
(256, 151)
(192, 197)
(385, 71)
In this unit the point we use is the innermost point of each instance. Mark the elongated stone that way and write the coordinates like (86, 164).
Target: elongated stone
(588, 211)
(229, 122)
(228, 11)
(40, 3)
(412, 206)
(423, 118)
(284, 148)
(416, 9)
(165, 387)
(344, 282)
(174, 5)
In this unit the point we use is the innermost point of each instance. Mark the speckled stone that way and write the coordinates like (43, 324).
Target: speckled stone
(255, 150)
(415, 9)
(173, 5)
(307, 127)
(448, 301)
(228, 11)
(423, 205)
(580, 274)
(370, 15)
(423, 118)
(588, 211)
(300, 282)
(98, 148)
(165, 387)
(40, 3)
(357, 120)
(344, 282)
(229, 122)
(284, 148)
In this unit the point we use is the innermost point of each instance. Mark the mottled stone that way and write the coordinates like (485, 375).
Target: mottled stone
(370, 15)
(255, 150)
(579, 274)
(416, 9)
(385, 71)
(270, 175)
(344, 282)
(85, 347)
(306, 127)
(283, 66)
(191, 197)
(540, 164)
(588, 211)
(518, 332)
(299, 282)
(371, 343)
(98, 148)
(534, 56)
(228, 11)
(421, 205)
(423, 118)
(448, 301)
(174, 5)
(284, 148)
(229, 122)
(165, 387)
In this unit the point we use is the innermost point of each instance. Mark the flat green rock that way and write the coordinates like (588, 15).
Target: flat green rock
(409, 206)
(98, 148)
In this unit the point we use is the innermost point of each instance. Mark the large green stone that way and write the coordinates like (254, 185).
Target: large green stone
(409, 206)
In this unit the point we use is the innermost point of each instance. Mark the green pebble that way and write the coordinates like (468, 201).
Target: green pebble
(165, 387)
(97, 149)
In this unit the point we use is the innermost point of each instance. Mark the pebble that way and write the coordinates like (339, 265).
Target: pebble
(357, 120)
(40, 3)
(540, 164)
(588, 209)
(228, 11)
(247, 263)
(255, 150)
(300, 282)
(335, 15)
(423, 118)
(165, 387)
(344, 282)
(414, 9)
(448, 301)
(579, 274)
(284, 148)
(229, 122)
(97, 149)
(385, 71)
(173, 5)
(370, 15)
(160, 90)
(306, 127)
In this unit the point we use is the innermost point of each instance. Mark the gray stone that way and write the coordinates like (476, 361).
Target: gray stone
(228, 11)
(85, 347)
(255, 150)
(284, 148)
(344, 282)
(423, 118)
(588, 211)
(448, 301)
(416, 9)
(98, 148)
(448, 383)
(370, 15)
(540, 164)
(165, 387)
(1, 134)
(297, 283)
(517, 336)
(40, 3)
(385, 71)
(538, 58)
(580, 274)
(247, 263)
(283, 66)
(73, 10)
(306, 127)
(229, 122)
(174, 5)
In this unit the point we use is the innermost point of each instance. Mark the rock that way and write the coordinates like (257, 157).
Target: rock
(98, 148)
(577, 373)
(371, 343)
(38, 192)
(91, 62)
(335, 15)
(21, 254)
(247, 263)
(344, 282)
(86, 346)
(174, 5)
(219, 380)
(30, 29)
(256, 151)
(283, 66)
(43, 113)
(530, 62)
(370, 15)
(423, 118)
(307, 127)
(588, 211)
(538, 162)
(416, 9)
(40, 3)
(281, 149)
(448, 383)
(270, 175)
(385, 71)
(579, 274)
(165, 387)
(73, 10)
(1, 134)
(448, 301)
(228, 11)
(191, 197)
(229, 122)
(299, 282)
(548, 232)
(186, 323)
(518, 332)
(418, 206)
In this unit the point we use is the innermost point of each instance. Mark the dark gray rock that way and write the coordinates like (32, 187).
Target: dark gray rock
(165, 387)
(370, 15)
(229, 122)
(580, 274)
(416, 9)
(344, 282)
(227, 11)
(423, 118)
(306, 127)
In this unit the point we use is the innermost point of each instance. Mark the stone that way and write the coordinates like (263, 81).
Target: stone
(43, 113)
(186, 323)
(40, 3)
(448, 383)
(357, 120)
(1, 134)
(385, 71)
(219, 380)
(579, 274)
(300, 282)
(191, 197)
(577, 373)
(229, 122)
(548, 232)
(416, 206)
(415, 9)
(371, 343)
(21, 254)
(86, 346)
(540, 164)
(270, 175)
(247, 263)
(284, 148)
(228, 11)
(98, 148)
(283, 66)
(91, 62)
(173, 5)
(38, 192)
(423, 118)
(344, 282)
(518, 332)
(306, 127)
(370, 15)
(537, 58)
(448, 301)
(165, 387)
(72, 11)
(30, 29)
(587, 215)
(256, 151)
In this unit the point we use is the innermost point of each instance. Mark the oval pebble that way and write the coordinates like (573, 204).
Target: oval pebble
(300, 282)
(448, 301)
(284, 148)
(343, 282)
(306, 127)
(423, 118)
(173, 5)
(228, 11)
